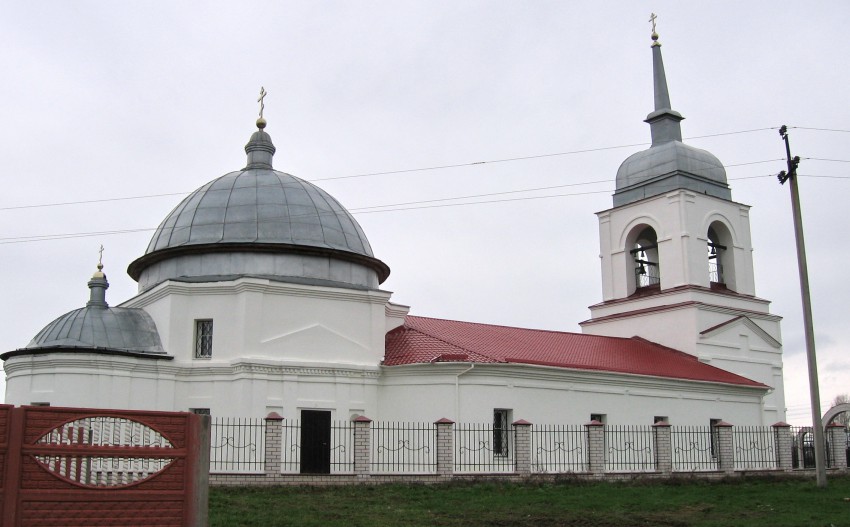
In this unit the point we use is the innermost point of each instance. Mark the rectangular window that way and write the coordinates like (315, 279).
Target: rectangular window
(203, 339)
(501, 431)
(661, 419)
(602, 418)
(40, 404)
(200, 411)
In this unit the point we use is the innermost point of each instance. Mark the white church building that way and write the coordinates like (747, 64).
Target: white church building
(259, 293)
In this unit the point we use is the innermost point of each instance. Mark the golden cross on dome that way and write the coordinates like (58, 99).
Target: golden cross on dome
(652, 18)
(263, 94)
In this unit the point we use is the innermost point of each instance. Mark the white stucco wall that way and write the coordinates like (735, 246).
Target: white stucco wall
(542, 394)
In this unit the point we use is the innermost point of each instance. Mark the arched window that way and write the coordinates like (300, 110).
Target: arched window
(715, 258)
(645, 253)
(721, 263)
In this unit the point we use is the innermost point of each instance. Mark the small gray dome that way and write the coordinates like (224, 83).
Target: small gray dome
(98, 328)
(259, 222)
(666, 159)
(112, 328)
(669, 166)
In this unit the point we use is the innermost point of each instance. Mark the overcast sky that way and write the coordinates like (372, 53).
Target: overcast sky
(110, 100)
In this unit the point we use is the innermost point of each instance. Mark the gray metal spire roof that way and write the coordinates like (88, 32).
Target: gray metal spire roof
(99, 328)
(256, 210)
(668, 164)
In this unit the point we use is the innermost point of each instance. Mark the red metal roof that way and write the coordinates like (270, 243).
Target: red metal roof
(425, 340)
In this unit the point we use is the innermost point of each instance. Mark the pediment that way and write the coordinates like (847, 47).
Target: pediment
(314, 342)
(736, 323)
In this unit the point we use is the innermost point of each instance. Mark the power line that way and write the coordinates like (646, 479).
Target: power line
(817, 129)
(146, 196)
(392, 207)
(409, 170)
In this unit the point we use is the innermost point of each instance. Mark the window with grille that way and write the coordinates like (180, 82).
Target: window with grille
(203, 339)
(712, 423)
(501, 431)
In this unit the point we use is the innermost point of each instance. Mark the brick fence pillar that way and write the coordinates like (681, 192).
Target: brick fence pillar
(362, 446)
(274, 444)
(445, 447)
(522, 448)
(725, 447)
(663, 447)
(784, 445)
(595, 447)
(837, 440)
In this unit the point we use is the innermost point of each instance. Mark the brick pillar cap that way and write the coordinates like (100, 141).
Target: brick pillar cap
(521, 422)
(781, 424)
(444, 421)
(724, 424)
(662, 424)
(594, 423)
(834, 425)
(274, 416)
(362, 419)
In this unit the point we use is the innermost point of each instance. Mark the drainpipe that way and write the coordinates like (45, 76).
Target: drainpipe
(457, 390)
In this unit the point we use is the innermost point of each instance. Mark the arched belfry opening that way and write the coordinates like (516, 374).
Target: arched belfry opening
(646, 267)
(721, 268)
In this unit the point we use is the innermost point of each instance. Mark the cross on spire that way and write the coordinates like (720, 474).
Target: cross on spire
(652, 18)
(100, 258)
(263, 94)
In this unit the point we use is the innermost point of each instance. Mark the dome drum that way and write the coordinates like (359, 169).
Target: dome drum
(299, 264)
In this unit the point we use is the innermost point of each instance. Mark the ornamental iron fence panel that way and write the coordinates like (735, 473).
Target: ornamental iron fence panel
(342, 447)
(481, 447)
(290, 446)
(754, 447)
(403, 447)
(237, 445)
(694, 448)
(558, 448)
(629, 449)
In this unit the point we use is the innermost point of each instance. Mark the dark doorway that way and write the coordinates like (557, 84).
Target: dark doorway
(315, 442)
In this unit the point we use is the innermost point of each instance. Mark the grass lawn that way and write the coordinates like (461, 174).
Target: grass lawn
(736, 502)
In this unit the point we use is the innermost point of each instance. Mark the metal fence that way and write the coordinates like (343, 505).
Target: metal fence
(237, 445)
(558, 448)
(342, 447)
(694, 448)
(403, 447)
(481, 447)
(629, 449)
(754, 447)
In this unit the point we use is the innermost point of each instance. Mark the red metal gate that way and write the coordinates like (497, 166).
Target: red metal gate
(91, 467)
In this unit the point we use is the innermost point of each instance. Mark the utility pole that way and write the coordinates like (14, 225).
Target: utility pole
(814, 389)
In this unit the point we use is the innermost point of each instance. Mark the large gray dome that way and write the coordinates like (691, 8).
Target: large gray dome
(260, 206)
(264, 223)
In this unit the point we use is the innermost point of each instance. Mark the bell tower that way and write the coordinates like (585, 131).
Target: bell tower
(676, 258)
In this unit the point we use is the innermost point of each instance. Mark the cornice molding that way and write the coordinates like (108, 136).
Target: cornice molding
(255, 285)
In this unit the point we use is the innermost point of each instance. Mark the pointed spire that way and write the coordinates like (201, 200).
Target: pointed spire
(98, 286)
(664, 121)
(260, 148)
